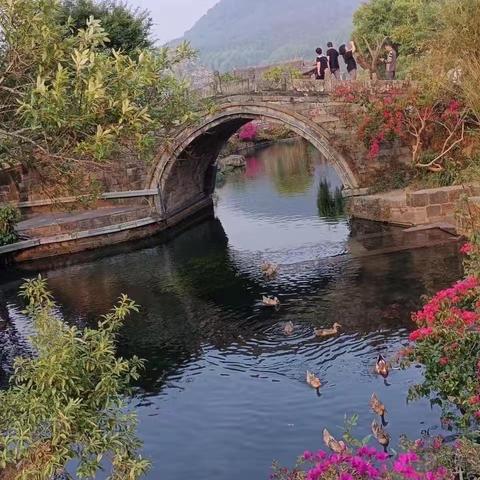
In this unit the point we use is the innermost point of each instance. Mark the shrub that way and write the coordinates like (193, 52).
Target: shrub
(277, 74)
(447, 344)
(248, 132)
(67, 404)
(9, 217)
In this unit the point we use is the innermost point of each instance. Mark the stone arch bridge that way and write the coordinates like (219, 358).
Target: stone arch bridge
(180, 181)
(184, 170)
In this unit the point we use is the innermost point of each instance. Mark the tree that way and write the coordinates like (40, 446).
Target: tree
(127, 29)
(66, 405)
(408, 24)
(67, 104)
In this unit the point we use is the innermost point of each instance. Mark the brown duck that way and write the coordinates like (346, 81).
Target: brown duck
(270, 301)
(332, 443)
(288, 328)
(382, 367)
(378, 407)
(383, 438)
(313, 380)
(328, 332)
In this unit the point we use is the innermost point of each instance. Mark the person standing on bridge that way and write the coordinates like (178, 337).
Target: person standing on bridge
(322, 65)
(390, 62)
(348, 57)
(333, 64)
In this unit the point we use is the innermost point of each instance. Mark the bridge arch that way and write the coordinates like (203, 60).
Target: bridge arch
(184, 171)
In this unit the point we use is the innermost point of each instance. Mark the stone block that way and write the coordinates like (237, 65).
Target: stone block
(434, 211)
(438, 196)
(448, 209)
(415, 199)
(455, 194)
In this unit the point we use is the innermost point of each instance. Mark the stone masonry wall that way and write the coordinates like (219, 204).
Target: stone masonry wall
(421, 207)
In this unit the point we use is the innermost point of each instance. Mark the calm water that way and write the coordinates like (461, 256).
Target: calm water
(224, 393)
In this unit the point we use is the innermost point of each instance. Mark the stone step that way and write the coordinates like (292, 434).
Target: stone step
(63, 223)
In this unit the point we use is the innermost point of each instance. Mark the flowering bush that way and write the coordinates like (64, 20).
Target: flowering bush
(248, 132)
(433, 129)
(447, 343)
(365, 463)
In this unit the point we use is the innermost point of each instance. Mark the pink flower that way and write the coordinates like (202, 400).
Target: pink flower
(248, 132)
(467, 249)
(420, 334)
(475, 400)
(443, 361)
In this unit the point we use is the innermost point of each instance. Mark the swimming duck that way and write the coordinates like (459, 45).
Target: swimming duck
(378, 407)
(288, 328)
(327, 332)
(269, 269)
(336, 446)
(313, 380)
(382, 367)
(381, 435)
(270, 301)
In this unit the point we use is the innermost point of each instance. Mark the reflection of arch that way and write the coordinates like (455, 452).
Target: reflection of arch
(184, 172)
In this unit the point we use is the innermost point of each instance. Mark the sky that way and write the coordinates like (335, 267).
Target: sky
(173, 17)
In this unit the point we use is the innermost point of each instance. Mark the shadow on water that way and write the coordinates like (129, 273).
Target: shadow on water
(223, 393)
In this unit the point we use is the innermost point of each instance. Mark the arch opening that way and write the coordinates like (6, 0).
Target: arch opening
(185, 173)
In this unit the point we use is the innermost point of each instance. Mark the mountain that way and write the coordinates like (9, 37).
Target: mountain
(240, 33)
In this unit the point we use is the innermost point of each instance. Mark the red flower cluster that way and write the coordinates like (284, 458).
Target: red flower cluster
(447, 300)
(467, 249)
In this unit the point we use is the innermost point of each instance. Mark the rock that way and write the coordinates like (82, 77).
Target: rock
(231, 162)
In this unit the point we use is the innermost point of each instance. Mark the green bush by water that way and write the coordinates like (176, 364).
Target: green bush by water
(330, 205)
(9, 217)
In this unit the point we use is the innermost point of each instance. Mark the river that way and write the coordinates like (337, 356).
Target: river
(224, 392)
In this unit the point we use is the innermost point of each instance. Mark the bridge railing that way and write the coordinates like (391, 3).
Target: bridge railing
(219, 88)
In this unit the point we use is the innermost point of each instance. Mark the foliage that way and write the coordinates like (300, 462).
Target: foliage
(248, 132)
(67, 403)
(452, 64)
(278, 73)
(447, 343)
(409, 24)
(435, 130)
(330, 205)
(9, 217)
(67, 104)
(227, 77)
(237, 34)
(127, 29)
(367, 463)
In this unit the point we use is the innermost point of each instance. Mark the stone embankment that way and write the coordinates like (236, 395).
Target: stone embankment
(420, 207)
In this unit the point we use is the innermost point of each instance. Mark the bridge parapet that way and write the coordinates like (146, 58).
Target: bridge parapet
(288, 85)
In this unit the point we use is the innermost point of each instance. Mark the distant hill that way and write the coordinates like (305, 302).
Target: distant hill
(239, 33)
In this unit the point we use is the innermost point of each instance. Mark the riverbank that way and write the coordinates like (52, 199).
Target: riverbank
(122, 217)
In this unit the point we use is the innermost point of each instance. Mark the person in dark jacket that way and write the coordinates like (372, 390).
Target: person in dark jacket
(322, 65)
(349, 58)
(333, 65)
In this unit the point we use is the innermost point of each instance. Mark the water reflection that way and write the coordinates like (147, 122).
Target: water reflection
(223, 393)
(330, 205)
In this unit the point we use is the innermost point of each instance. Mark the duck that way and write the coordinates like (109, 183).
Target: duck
(336, 446)
(269, 269)
(378, 407)
(288, 328)
(383, 438)
(270, 301)
(382, 367)
(313, 380)
(328, 332)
